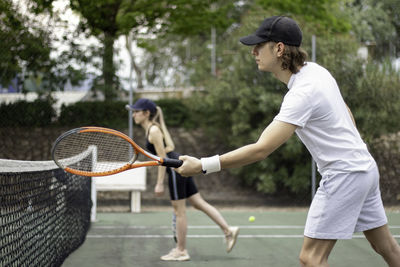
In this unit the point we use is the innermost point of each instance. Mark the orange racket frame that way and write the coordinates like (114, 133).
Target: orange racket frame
(155, 160)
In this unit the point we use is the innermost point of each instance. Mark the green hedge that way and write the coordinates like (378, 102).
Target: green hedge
(177, 113)
(111, 114)
(38, 113)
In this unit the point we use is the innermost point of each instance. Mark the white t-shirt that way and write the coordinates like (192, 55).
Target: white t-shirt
(314, 103)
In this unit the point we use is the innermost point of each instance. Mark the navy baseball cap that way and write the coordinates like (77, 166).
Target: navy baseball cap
(276, 29)
(143, 104)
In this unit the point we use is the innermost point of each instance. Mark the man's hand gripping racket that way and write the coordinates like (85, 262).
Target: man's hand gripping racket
(115, 152)
(190, 166)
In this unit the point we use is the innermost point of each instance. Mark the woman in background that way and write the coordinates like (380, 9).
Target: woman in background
(159, 142)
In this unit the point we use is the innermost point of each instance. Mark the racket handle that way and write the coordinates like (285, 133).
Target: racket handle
(174, 163)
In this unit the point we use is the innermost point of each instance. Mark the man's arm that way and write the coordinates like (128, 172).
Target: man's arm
(272, 137)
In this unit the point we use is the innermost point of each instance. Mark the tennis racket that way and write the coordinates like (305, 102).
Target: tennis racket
(114, 152)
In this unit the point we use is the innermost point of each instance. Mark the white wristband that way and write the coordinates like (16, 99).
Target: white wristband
(211, 164)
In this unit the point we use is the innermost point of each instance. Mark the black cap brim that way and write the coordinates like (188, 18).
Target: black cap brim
(133, 107)
(252, 40)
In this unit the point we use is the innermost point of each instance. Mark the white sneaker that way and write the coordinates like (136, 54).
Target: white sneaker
(231, 238)
(176, 255)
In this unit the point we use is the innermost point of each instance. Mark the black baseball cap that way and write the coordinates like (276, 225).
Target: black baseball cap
(276, 29)
(143, 104)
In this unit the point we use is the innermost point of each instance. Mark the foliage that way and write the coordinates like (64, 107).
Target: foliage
(24, 44)
(325, 15)
(374, 98)
(38, 113)
(240, 102)
(370, 88)
(111, 114)
(144, 19)
(391, 8)
(189, 56)
(376, 23)
(167, 57)
(176, 113)
(29, 41)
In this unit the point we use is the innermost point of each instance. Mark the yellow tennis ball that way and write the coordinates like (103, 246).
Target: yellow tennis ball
(252, 219)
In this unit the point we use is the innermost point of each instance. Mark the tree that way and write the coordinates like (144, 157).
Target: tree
(182, 54)
(376, 23)
(322, 14)
(184, 20)
(173, 56)
(28, 39)
(391, 8)
(25, 45)
(240, 101)
(109, 19)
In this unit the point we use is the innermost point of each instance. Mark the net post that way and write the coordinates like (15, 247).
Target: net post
(135, 201)
(93, 186)
(94, 201)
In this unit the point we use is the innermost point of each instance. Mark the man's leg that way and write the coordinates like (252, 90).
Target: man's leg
(315, 252)
(384, 244)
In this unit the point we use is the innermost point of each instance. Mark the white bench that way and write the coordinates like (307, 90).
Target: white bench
(133, 180)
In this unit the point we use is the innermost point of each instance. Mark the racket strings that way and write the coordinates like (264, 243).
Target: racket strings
(111, 152)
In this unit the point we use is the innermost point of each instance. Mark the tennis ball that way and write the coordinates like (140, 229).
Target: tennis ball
(252, 219)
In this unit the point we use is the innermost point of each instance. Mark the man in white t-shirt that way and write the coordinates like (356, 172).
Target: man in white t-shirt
(348, 199)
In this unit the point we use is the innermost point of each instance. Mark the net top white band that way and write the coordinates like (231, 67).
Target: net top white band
(8, 165)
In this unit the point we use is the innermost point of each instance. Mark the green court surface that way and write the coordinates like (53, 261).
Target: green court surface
(273, 239)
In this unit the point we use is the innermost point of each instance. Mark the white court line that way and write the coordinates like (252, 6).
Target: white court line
(192, 236)
(129, 236)
(200, 227)
(210, 227)
(204, 236)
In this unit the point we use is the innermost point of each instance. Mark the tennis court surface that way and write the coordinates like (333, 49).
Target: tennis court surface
(45, 221)
(273, 239)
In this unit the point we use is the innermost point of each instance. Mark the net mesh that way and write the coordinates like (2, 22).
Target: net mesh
(45, 212)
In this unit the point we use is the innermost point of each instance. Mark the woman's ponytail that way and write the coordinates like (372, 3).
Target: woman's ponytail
(170, 146)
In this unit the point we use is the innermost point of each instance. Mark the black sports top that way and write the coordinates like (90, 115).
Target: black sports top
(150, 147)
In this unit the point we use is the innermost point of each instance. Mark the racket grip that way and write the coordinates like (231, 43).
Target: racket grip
(174, 163)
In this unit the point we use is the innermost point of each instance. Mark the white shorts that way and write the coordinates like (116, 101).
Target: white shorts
(346, 203)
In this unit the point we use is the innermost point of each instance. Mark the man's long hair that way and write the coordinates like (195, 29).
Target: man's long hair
(293, 58)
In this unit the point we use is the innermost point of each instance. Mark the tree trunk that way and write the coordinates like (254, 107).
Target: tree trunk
(108, 67)
(134, 66)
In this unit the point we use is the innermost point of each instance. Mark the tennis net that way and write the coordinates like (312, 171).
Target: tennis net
(45, 212)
